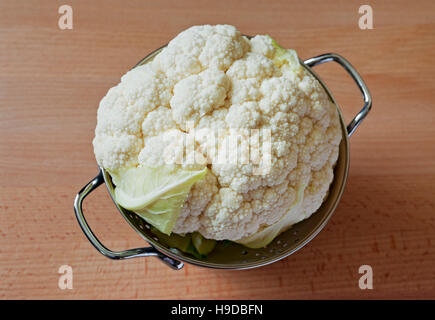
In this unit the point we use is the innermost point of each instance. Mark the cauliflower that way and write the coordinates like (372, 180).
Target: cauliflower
(211, 86)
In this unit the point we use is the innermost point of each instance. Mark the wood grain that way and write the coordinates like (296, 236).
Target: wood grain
(52, 80)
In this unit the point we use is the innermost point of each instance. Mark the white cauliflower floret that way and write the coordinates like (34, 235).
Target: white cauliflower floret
(202, 47)
(263, 45)
(197, 95)
(210, 85)
(199, 198)
(246, 76)
(158, 121)
(253, 65)
(163, 149)
(118, 135)
(226, 216)
(116, 151)
(280, 94)
(243, 90)
(245, 115)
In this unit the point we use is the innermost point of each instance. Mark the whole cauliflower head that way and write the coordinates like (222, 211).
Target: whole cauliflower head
(208, 85)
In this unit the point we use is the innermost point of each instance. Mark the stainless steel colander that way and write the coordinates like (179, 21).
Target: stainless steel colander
(235, 256)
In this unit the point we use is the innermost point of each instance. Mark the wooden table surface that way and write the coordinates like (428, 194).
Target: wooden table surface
(51, 81)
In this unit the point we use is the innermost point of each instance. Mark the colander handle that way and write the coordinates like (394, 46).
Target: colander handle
(351, 127)
(117, 255)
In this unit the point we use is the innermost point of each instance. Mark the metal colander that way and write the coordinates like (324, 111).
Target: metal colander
(235, 256)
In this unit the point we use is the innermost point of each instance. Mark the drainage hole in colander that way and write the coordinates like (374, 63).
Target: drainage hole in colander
(244, 252)
(147, 226)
